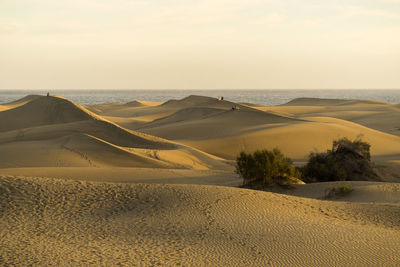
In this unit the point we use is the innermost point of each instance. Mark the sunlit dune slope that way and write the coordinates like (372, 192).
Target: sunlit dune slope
(191, 108)
(18, 102)
(373, 114)
(66, 134)
(161, 110)
(210, 125)
(103, 109)
(79, 150)
(201, 124)
(309, 101)
(205, 122)
(50, 117)
(42, 111)
(298, 140)
(142, 103)
(58, 222)
(198, 101)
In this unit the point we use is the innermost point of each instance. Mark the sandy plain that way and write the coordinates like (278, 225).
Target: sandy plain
(143, 183)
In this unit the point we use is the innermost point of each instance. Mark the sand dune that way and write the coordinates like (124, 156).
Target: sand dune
(363, 192)
(373, 114)
(205, 123)
(138, 196)
(225, 133)
(74, 145)
(131, 175)
(141, 103)
(161, 110)
(44, 221)
(72, 150)
(23, 100)
(315, 102)
(42, 111)
(102, 109)
(198, 101)
(298, 140)
(208, 124)
(329, 102)
(67, 134)
(18, 102)
(102, 129)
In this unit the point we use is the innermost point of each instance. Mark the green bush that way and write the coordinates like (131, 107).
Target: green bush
(347, 160)
(265, 167)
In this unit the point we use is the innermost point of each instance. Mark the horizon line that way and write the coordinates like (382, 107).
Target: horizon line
(189, 89)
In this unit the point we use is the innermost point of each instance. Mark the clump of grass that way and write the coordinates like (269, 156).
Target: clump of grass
(339, 191)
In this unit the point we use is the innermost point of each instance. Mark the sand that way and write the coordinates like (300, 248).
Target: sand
(59, 222)
(373, 114)
(52, 131)
(211, 126)
(132, 175)
(144, 183)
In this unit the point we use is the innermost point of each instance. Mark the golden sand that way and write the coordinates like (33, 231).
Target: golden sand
(146, 183)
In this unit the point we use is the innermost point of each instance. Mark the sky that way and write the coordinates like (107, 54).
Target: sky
(199, 44)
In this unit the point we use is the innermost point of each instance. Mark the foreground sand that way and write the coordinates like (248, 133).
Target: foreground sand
(133, 175)
(61, 222)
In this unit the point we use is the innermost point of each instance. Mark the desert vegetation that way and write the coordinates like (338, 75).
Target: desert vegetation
(265, 167)
(347, 160)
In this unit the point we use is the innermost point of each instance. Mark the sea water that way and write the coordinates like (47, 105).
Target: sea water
(262, 97)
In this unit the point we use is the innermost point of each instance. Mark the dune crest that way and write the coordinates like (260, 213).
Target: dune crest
(18, 102)
(141, 103)
(42, 111)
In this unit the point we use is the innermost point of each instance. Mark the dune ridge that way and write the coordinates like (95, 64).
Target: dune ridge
(18, 102)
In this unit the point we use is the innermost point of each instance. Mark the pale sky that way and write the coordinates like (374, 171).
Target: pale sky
(199, 44)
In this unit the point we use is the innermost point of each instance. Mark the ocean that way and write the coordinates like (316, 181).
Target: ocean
(263, 97)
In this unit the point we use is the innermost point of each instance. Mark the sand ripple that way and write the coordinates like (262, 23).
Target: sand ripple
(58, 222)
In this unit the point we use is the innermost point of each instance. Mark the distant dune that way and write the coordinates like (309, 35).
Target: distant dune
(141, 103)
(146, 183)
(52, 131)
(18, 102)
(373, 114)
(329, 102)
(42, 111)
(298, 128)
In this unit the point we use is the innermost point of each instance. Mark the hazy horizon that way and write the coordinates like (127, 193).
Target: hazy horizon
(196, 89)
(217, 45)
